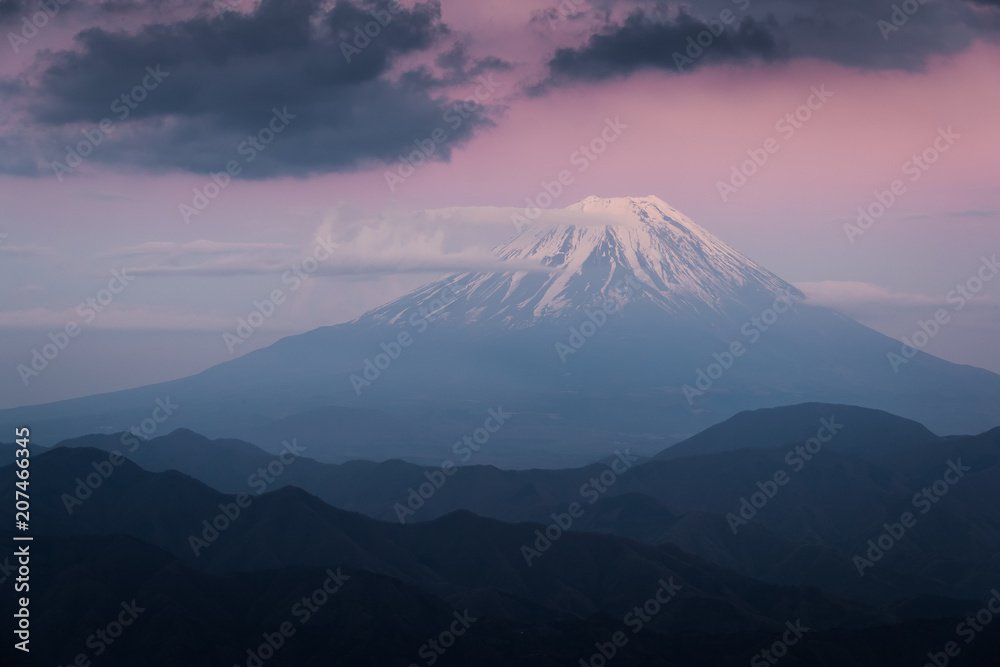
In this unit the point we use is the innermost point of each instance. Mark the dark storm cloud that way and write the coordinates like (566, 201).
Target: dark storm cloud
(631, 35)
(640, 42)
(457, 68)
(457, 61)
(900, 35)
(223, 76)
(11, 11)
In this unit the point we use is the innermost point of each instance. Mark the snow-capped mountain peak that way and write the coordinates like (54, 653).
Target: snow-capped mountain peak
(627, 248)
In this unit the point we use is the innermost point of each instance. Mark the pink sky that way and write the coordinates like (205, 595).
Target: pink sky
(683, 135)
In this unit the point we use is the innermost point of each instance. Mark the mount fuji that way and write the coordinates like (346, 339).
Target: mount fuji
(636, 327)
(670, 262)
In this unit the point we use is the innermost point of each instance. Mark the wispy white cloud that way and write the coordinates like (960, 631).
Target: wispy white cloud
(502, 216)
(441, 241)
(201, 247)
(863, 300)
(976, 213)
(113, 318)
(24, 250)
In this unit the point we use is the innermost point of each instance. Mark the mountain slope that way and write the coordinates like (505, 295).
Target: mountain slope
(624, 334)
(806, 535)
(860, 430)
(201, 620)
(459, 556)
(630, 250)
(283, 546)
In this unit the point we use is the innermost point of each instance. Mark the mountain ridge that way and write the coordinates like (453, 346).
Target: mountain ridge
(663, 256)
(597, 365)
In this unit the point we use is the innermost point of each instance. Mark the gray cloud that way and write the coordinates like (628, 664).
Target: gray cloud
(631, 35)
(224, 75)
(641, 42)
(12, 11)
(457, 68)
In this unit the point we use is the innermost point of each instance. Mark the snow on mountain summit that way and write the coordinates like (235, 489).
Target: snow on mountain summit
(628, 211)
(602, 245)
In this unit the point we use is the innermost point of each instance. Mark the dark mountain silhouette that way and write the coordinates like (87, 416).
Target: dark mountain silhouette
(865, 432)
(807, 534)
(405, 583)
(457, 555)
(196, 619)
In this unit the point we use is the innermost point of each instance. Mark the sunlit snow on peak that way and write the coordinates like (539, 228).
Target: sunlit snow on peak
(676, 264)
